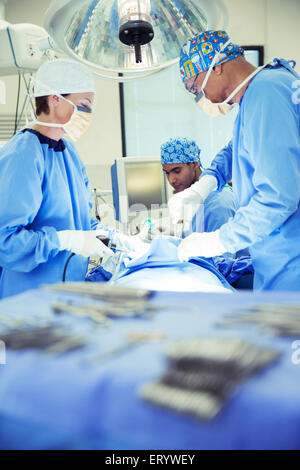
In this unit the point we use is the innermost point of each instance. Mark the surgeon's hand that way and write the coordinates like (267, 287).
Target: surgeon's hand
(83, 243)
(204, 244)
(133, 243)
(184, 205)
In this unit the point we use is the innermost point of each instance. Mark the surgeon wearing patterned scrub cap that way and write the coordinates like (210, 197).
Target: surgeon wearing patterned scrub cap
(262, 158)
(180, 158)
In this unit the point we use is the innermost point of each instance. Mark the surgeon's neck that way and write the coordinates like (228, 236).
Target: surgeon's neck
(240, 71)
(55, 133)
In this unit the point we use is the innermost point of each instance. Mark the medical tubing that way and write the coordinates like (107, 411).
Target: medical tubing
(66, 266)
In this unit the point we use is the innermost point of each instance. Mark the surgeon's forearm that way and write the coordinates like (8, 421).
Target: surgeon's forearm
(221, 167)
(209, 183)
(253, 223)
(23, 250)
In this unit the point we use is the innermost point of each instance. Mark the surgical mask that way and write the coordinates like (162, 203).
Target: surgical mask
(223, 108)
(213, 109)
(79, 122)
(77, 125)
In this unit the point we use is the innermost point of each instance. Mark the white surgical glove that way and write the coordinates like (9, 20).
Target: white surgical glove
(183, 205)
(206, 244)
(83, 243)
(133, 244)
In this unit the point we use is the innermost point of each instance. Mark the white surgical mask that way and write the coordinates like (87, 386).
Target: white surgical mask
(79, 123)
(76, 126)
(213, 109)
(220, 109)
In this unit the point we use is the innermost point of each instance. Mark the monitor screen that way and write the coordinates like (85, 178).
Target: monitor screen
(139, 185)
(145, 185)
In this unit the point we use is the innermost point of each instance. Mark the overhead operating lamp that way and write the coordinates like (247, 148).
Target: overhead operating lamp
(127, 39)
(135, 28)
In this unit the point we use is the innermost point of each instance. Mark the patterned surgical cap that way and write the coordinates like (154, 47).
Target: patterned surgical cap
(198, 52)
(179, 150)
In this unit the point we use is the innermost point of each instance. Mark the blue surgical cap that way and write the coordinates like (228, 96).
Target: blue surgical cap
(179, 150)
(199, 51)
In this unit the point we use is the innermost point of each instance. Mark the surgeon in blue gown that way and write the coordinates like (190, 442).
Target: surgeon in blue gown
(262, 159)
(44, 193)
(180, 159)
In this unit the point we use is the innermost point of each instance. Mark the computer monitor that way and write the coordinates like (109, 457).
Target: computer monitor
(139, 185)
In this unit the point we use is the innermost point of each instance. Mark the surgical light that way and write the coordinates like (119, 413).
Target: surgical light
(135, 24)
(127, 39)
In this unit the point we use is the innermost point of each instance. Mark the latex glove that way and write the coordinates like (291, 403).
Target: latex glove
(163, 226)
(184, 205)
(83, 243)
(206, 244)
(133, 244)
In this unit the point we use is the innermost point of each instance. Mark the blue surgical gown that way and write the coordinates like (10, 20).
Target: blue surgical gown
(217, 209)
(43, 189)
(263, 162)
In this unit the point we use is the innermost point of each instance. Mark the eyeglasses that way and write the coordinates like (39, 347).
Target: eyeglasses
(84, 109)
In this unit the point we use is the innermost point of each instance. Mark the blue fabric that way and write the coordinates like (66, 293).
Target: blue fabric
(43, 189)
(263, 161)
(98, 274)
(69, 402)
(179, 150)
(217, 209)
(234, 268)
(198, 52)
(162, 253)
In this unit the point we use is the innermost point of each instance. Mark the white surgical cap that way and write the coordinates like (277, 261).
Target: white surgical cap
(63, 76)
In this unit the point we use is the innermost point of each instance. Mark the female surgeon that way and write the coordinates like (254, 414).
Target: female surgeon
(44, 194)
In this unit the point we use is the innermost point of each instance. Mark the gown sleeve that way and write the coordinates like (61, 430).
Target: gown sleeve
(220, 208)
(21, 180)
(221, 166)
(272, 143)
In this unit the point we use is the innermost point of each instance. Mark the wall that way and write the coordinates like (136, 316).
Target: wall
(246, 21)
(271, 23)
(283, 30)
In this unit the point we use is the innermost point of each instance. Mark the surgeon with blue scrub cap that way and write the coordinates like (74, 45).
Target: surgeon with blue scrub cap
(262, 160)
(181, 163)
(44, 192)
